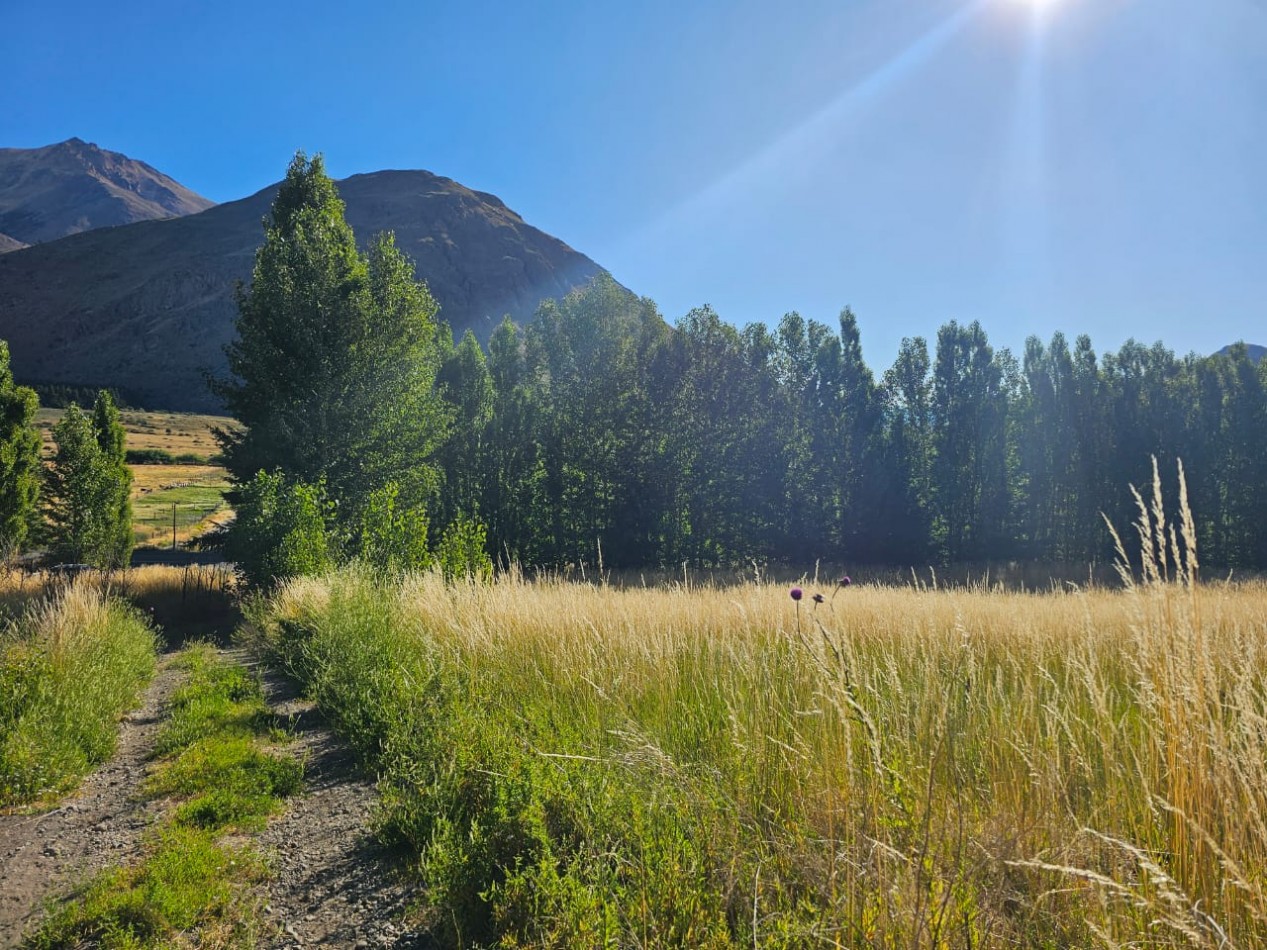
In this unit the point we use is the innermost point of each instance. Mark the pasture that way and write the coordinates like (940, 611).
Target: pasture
(191, 490)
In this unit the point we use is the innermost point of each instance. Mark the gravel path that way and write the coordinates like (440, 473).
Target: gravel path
(333, 886)
(41, 856)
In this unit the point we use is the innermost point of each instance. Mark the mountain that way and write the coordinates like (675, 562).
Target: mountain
(10, 244)
(1256, 352)
(48, 193)
(147, 307)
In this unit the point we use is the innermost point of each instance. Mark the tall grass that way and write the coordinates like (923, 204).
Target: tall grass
(576, 765)
(70, 665)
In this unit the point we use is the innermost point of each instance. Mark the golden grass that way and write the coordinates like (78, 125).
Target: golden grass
(923, 768)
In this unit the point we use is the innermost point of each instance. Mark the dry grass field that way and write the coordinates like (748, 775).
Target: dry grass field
(579, 765)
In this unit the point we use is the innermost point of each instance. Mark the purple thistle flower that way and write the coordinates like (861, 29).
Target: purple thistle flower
(797, 593)
(817, 598)
(845, 581)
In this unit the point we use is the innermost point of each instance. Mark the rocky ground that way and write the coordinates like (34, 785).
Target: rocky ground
(332, 885)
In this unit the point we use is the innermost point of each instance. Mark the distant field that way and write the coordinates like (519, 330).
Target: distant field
(176, 432)
(196, 491)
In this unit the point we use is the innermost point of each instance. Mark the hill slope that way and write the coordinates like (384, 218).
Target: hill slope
(1255, 352)
(48, 193)
(149, 306)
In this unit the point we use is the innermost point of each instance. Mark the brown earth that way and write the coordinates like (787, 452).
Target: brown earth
(332, 885)
(73, 186)
(44, 855)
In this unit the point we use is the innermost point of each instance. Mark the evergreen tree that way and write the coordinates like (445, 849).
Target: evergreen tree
(334, 366)
(19, 458)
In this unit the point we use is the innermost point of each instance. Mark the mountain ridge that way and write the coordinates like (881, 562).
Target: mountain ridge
(74, 186)
(149, 306)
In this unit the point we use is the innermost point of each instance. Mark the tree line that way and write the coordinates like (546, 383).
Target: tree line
(598, 431)
(598, 424)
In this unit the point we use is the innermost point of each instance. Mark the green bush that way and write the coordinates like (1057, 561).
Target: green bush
(148, 457)
(281, 530)
(391, 537)
(71, 669)
(463, 550)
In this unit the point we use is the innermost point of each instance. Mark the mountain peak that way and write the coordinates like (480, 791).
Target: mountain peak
(73, 186)
(148, 307)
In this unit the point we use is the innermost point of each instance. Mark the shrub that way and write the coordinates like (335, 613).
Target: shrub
(391, 537)
(148, 457)
(74, 665)
(463, 550)
(281, 530)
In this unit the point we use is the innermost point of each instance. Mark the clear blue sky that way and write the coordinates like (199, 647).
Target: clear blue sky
(1093, 166)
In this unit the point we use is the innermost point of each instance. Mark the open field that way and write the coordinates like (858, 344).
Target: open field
(579, 765)
(179, 433)
(196, 490)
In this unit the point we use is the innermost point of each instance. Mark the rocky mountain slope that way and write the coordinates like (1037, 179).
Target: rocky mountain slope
(148, 307)
(48, 193)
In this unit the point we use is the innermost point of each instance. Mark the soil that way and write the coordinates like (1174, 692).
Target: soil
(101, 824)
(332, 885)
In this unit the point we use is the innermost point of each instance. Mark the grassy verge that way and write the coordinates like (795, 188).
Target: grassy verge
(70, 666)
(579, 766)
(192, 886)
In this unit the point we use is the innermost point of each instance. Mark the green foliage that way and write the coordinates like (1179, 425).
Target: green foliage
(186, 881)
(281, 530)
(390, 537)
(334, 367)
(88, 488)
(73, 666)
(463, 550)
(19, 458)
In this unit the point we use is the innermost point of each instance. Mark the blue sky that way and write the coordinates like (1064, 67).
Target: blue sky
(1093, 166)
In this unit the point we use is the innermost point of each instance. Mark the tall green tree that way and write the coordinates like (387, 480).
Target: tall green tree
(19, 458)
(333, 370)
(88, 488)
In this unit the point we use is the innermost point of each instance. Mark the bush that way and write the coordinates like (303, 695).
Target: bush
(148, 457)
(463, 550)
(392, 538)
(73, 666)
(281, 530)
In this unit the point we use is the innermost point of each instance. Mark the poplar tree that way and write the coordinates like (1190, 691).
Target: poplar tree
(88, 488)
(334, 365)
(19, 458)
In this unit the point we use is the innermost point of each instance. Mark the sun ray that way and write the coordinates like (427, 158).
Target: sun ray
(813, 136)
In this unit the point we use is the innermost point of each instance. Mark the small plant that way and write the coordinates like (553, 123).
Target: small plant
(463, 550)
(281, 530)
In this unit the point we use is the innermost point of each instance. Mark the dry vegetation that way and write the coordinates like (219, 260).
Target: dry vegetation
(576, 764)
